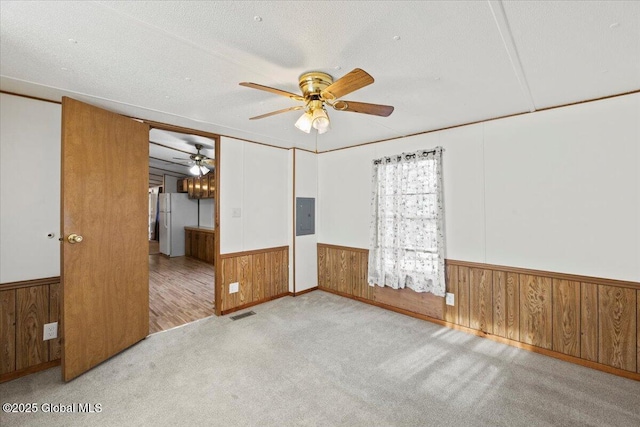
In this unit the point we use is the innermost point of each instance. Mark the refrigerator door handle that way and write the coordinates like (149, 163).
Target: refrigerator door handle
(166, 220)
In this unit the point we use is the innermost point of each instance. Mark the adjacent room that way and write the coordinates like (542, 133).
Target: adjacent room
(320, 213)
(181, 229)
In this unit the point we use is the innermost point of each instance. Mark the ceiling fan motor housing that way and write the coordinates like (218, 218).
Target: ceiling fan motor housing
(313, 83)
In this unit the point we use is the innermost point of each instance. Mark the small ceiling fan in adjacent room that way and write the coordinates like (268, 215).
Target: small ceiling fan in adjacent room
(201, 163)
(319, 89)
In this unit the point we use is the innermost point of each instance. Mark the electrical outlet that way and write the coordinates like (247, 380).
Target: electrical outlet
(450, 299)
(233, 287)
(50, 331)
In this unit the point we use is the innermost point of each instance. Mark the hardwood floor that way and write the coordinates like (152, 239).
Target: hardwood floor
(180, 291)
(154, 247)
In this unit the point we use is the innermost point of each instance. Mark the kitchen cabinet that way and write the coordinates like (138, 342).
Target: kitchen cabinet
(183, 185)
(203, 187)
(199, 243)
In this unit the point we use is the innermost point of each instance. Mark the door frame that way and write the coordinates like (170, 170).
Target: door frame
(217, 294)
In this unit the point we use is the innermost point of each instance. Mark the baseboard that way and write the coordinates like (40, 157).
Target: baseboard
(251, 304)
(9, 376)
(481, 334)
(306, 291)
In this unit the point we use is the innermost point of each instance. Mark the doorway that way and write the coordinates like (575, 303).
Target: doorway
(183, 207)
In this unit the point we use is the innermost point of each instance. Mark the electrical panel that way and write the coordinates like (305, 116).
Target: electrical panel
(305, 216)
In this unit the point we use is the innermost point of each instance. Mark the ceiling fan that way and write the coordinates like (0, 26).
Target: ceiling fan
(200, 162)
(319, 89)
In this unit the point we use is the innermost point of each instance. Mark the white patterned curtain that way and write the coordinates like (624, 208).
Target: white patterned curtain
(407, 225)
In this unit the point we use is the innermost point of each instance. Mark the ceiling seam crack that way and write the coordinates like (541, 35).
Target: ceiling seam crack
(500, 17)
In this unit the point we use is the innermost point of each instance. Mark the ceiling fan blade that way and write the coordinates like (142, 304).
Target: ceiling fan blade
(273, 90)
(209, 162)
(273, 113)
(364, 108)
(354, 80)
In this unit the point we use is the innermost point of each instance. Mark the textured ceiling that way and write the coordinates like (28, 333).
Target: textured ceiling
(454, 62)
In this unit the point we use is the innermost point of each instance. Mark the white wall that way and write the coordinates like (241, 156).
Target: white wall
(253, 180)
(306, 246)
(557, 190)
(29, 188)
(170, 184)
(345, 190)
(207, 212)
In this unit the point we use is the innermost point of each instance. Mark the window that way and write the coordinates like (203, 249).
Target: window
(407, 232)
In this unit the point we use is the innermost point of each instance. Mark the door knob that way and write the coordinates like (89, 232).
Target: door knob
(74, 238)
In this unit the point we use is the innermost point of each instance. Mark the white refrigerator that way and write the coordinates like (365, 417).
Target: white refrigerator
(176, 212)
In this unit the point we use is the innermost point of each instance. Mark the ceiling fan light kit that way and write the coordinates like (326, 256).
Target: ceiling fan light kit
(199, 170)
(199, 162)
(319, 89)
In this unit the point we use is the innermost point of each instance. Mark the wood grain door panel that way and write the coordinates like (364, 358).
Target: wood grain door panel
(105, 278)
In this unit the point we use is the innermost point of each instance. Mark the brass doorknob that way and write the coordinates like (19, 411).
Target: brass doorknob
(74, 238)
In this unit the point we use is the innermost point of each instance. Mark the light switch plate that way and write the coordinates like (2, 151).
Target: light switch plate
(50, 331)
(233, 287)
(450, 299)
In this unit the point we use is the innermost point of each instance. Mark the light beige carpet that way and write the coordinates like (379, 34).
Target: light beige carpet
(322, 360)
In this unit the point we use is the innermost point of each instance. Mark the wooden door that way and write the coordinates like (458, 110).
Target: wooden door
(105, 276)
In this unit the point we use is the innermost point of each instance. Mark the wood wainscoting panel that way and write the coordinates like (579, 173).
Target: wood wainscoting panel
(32, 306)
(500, 303)
(24, 309)
(262, 275)
(513, 306)
(535, 310)
(344, 270)
(463, 296)
(7, 331)
(322, 266)
(259, 277)
(586, 320)
(451, 311)
(589, 321)
(481, 300)
(55, 345)
(407, 299)
(617, 343)
(245, 278)
(566, 317)
(506, 305)
(229, 275)
(340, 271)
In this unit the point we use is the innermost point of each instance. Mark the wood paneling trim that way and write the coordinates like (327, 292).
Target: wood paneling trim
(343, 248)
(550, 274)
(306, 291)
(481, 121)
(30, 370)
(638, 330)
(252, 252)
(29, 283)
